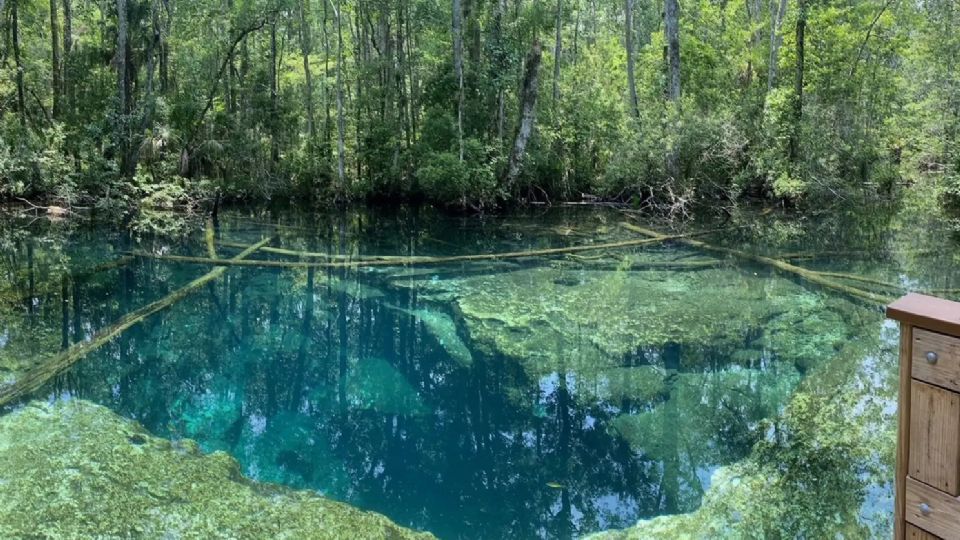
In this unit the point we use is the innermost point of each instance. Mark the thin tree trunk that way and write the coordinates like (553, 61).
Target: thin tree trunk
(458, 67)
(67, 50)
(776, 21)
(672, 28)
(557, 52)
(631, 69)
(341, 123)
(528, 114)
(165, 52)
(274, 93)
(56, 66)
(123, 96)
(15, 30)
(798, 84)
(306, 47)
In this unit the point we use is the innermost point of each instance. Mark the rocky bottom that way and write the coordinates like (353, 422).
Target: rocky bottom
(77, 470)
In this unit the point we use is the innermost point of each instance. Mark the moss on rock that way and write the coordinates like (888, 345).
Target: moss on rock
(554, 319)
(77, 470)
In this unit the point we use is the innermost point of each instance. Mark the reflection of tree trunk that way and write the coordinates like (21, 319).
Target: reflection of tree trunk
(31, 281)
(77, 327)
(64, 313)
(670, 485)
(342, 329)
(564, 519)
(306, 331)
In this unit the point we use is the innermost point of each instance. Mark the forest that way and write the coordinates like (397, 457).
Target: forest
(130, 104)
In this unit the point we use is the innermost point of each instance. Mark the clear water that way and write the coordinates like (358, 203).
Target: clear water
(547, 397)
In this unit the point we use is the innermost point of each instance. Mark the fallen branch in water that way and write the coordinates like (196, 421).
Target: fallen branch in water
(35, 377)
(810, 275)
(313, 255)
(861, 279)
(417, 261)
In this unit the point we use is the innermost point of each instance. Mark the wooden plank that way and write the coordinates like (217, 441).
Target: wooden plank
(935, 437)
(50, 367)
(916, 533)
(927, 312)
(903, 431)
(936, 359)
(932, 510)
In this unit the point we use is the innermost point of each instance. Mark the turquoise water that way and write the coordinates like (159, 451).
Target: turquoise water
(542, 397)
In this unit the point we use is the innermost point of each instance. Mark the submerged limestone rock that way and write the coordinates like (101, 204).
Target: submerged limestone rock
(556, 319)
(76, 470)
(824, 469)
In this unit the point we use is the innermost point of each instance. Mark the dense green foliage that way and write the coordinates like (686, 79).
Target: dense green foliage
(161, 103)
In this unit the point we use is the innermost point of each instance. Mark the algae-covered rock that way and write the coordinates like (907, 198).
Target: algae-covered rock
(553, 319)
(76, 470)
(823, 470)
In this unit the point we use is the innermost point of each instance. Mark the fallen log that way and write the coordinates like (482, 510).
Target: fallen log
(34, 378)
(315, 255)
(861, 279)
(417, 261)
(809, 275)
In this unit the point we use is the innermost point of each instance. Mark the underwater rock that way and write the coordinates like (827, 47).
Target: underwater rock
(822, 470)
(553, 319)
(442, 327)
(77, 470)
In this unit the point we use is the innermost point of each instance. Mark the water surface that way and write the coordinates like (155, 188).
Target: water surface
(544, 397)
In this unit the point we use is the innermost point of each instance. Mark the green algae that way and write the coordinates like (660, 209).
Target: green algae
(76, 470)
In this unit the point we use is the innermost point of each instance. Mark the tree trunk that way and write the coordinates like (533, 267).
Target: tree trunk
(274, 94)
(776, 20)
(67, 50)
(341, 123)
(672, 28)
(17, 61)
(123, 96)
(528, 114)
(631, 69)
(458, 67)
(798, 84)
(306, 47)
(56, 66)
(557, 52)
